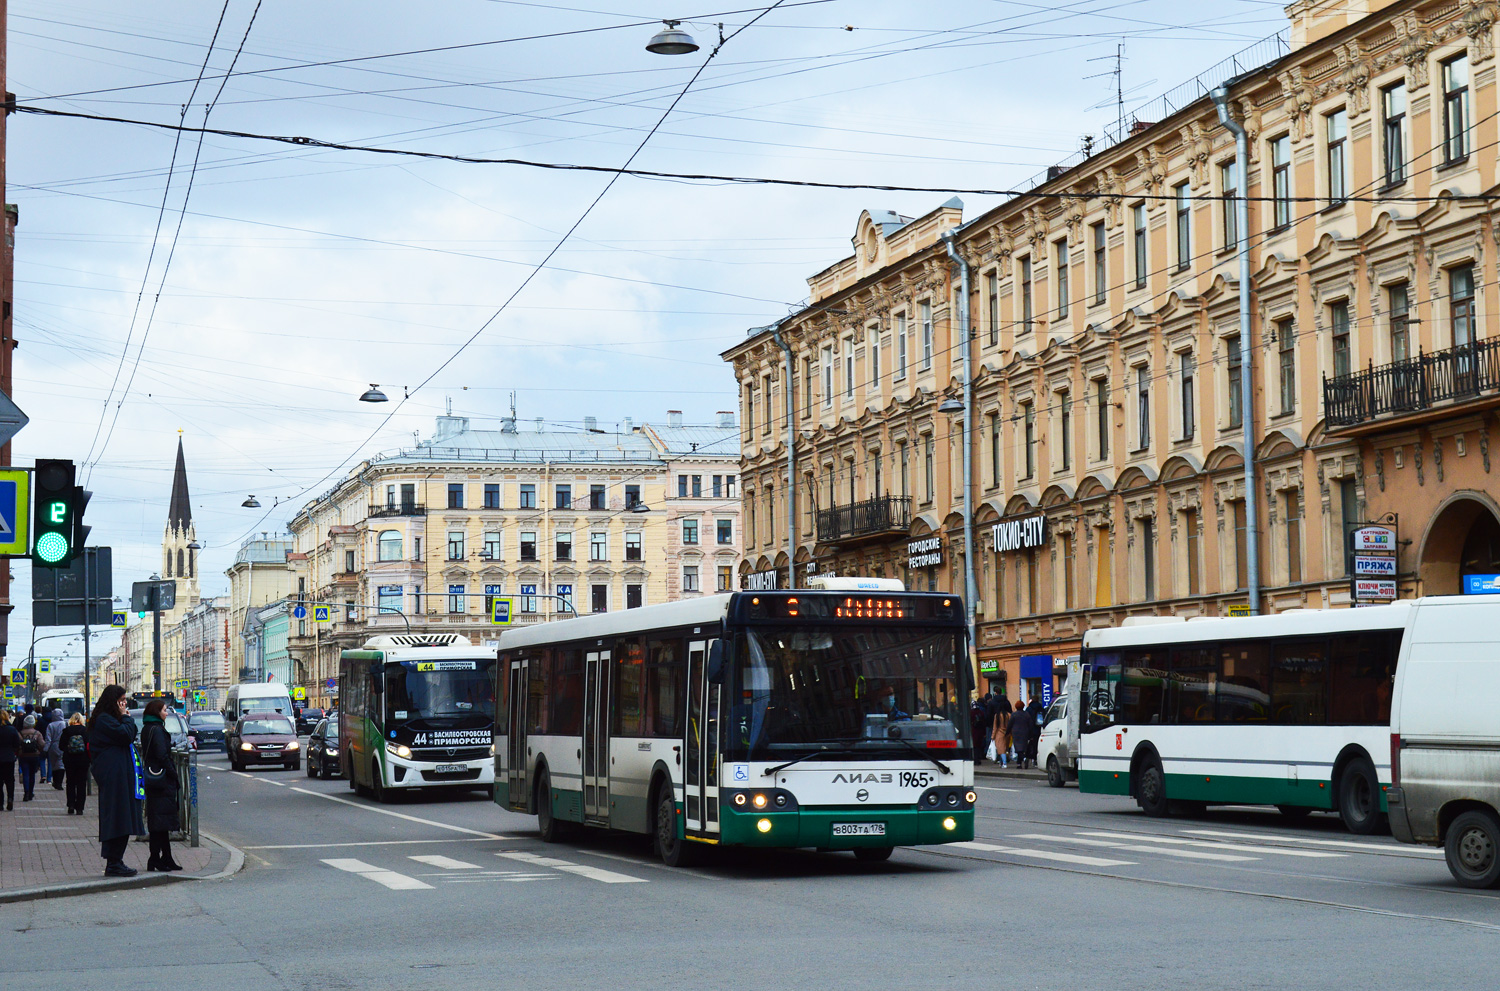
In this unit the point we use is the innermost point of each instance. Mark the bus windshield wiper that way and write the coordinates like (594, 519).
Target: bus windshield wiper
(920, 753)
(817, 753)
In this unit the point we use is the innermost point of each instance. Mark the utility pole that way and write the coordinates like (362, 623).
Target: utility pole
(156, 649)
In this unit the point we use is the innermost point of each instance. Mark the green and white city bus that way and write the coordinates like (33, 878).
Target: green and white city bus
(417, 711)
(1291, 710)
(832, 718)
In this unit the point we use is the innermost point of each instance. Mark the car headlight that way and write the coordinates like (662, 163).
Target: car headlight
(247, 746)
(332, 751)
(294, 745)
(399, 749)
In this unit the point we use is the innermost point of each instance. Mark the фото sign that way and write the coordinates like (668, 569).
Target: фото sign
(1374, 588)
(924, 553)
(1020, 534)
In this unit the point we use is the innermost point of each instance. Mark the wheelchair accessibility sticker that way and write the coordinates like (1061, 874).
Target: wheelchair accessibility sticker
(742, 772)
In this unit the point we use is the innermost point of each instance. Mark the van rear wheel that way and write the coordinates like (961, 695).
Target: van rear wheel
(1054, 772)
(1472, 847)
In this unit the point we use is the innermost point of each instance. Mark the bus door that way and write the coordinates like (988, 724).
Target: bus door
(700, 771)
(515, 726)
(596, 735)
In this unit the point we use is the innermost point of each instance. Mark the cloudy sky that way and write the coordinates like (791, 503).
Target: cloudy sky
(245, 293)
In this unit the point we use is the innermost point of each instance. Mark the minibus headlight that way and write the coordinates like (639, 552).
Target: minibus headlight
(400, 750)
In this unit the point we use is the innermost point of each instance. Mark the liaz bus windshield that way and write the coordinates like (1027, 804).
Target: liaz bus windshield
(863, 687)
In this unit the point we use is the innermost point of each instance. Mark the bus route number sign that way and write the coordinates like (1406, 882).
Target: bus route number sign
(501, 611)
(445, 665)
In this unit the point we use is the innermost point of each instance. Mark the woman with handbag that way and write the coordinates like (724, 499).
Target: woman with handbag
(112, 746)
(161, 787)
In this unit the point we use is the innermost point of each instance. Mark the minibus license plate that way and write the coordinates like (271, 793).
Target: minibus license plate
(859, 829)
(451, 768)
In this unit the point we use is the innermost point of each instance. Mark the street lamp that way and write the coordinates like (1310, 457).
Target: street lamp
(951, 406)
(373, 394)
(640, 507)
(672, 41)
(251, 503)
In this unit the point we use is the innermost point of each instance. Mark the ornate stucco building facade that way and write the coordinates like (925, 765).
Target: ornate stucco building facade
(1104, 340)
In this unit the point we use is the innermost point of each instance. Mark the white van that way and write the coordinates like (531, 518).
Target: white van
(1445, 735)
(254, 696)
(1057, 746)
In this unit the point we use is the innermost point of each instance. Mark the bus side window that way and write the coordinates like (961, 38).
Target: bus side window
(1244, 682)
(1361, 672)
(567, 693)
(664, 678)
(1138, 698)
(539, 673)
(1299, 682)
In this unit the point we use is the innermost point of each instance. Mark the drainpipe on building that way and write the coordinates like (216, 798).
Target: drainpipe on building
(1220, 96)
(950, 240)
(791, 463)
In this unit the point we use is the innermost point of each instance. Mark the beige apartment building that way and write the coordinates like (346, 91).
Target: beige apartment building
(1107, 454)
(259, 576)
(559, 521)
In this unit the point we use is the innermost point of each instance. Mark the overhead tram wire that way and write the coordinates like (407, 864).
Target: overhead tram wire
(708, 177)
(156, 236)
(539, 266)
(177, 232)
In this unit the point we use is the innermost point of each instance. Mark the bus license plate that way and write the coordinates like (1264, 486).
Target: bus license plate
(859, 829)
(451, 768)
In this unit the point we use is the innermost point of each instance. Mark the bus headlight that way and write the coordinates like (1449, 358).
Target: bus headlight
(492, 750)
(970, 797)
(739, 798)
(759, 801)
(400, 750)
(764, 825)
(949, 823)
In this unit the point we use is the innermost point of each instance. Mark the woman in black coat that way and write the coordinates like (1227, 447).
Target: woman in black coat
(161, 787)
(10, 746)
(112, 747)
(74, 746)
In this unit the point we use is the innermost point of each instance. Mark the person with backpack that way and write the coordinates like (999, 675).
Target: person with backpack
(52, 735)
(33, 745)
(73, 744)
(112, 736)
(161, 787)
(10, 746)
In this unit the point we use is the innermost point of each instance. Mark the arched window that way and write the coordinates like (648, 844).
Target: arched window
(180, 569)
(390, 545)
(169, 565)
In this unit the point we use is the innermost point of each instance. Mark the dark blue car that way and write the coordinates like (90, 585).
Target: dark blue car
(207, 728)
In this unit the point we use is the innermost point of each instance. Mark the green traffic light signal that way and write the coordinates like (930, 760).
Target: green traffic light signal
(56, 511)
(52, 547)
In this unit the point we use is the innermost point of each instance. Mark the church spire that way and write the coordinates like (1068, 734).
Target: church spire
(180, 516)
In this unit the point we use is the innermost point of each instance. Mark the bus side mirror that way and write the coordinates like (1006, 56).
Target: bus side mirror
(715, 669)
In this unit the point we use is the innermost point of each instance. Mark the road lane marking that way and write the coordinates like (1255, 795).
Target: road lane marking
(446, 863)
(1065, 858)
(993, 788)
(392, 880)
(1135, 848)
(336, 845)
(402, 815)
(1374, 849)
(582, 870)
(678, 871)
(1218, 845)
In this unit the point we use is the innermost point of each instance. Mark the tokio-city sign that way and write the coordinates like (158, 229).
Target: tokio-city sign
(1020, 534)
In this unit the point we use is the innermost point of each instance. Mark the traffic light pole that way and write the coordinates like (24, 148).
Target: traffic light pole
(88, 597)
(156, 649)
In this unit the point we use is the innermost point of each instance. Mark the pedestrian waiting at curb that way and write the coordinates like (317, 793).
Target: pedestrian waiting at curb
(52, 734)
(33, 746)
(116, 769)
(10, 746)
(74, 745)
(161, 787)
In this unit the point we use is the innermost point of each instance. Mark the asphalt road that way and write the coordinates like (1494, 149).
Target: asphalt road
(1059, 890)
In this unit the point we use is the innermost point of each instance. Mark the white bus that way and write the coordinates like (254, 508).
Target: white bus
(811, 718)
(1291, 710)
(417, 711)
(65, 699)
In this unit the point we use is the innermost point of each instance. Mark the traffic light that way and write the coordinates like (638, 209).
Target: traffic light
(81, 497)
(54, 523)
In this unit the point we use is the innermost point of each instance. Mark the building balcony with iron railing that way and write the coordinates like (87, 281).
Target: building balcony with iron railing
(1458, 375)
(378, 510)
(877, 517)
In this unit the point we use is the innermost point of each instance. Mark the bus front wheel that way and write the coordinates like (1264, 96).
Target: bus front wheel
(1151, 790)
(1359, 798)
(377, 784)
(673, 850)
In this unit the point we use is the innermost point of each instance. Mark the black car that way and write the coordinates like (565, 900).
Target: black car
(207, 728)
(307, 719)
(323, 750)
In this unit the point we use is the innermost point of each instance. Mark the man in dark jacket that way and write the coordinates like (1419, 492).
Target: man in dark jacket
(112, 736)
(1022, 731)
(51, 735)
(1034, 710)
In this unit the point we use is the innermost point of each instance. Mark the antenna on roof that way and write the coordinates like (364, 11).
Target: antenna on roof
(448, 401)
(512, 404)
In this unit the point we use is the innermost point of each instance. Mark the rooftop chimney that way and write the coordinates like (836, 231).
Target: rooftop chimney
(539, 427)
(629, 425)
(674, 417)
(508, 425)
(726, 419)
(450, 426)
(590, 424)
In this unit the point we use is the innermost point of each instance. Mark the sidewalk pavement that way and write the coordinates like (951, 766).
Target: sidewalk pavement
(989, 769)
(46, 853)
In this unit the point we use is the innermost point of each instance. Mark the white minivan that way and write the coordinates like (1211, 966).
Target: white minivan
(1445, 735)
(255, 696)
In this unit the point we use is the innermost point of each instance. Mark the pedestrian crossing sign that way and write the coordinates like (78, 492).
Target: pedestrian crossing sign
(15, 512)
(321, 614)
(501, 610)
(117, 620)
(18, 676)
